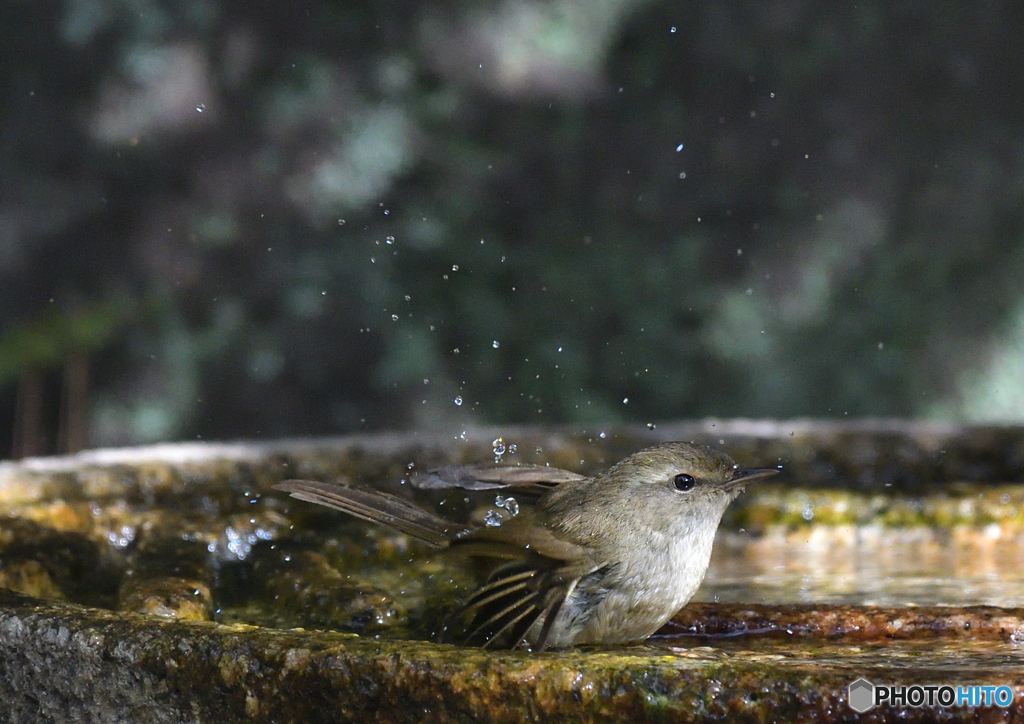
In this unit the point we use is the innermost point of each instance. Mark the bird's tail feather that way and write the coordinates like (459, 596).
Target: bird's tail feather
(377, 507)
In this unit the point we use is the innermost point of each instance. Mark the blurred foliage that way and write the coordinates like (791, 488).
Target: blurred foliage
(352, 214)
(48, 338)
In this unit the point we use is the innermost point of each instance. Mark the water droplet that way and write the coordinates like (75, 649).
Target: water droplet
(807, 513)
(651, 426)
(625, 400)
(498, 445)
(749, 292)
(394, 317)
(673, 29)
(455, 267)
(512, 448)
(679, 148)
(510, 504)
(602, 436)
(495, 344)
(341, 222)
(457, 400)
(682, 174)
(492, 518)
(200, 108)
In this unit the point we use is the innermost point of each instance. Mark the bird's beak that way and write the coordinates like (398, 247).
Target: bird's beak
(744, 476)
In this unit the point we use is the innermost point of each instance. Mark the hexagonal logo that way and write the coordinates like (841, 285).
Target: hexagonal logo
(861, 695)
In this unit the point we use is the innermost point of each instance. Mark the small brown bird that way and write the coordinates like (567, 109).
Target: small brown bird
(595, 560)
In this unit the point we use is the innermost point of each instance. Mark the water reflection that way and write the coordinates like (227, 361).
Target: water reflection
(898, 567)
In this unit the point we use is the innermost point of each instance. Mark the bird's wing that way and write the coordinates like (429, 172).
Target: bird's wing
(376, 507)
(531, 479)
(540, 573)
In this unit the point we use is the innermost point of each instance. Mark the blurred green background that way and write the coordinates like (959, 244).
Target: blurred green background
(250, 219)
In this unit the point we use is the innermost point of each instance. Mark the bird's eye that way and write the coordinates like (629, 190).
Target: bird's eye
(684, 482)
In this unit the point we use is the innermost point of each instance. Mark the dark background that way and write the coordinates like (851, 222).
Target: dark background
(255, 219)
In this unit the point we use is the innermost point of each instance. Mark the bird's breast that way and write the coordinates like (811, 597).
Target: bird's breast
(647, 585)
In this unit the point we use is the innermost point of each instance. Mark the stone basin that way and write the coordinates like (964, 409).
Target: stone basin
(170, 583)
